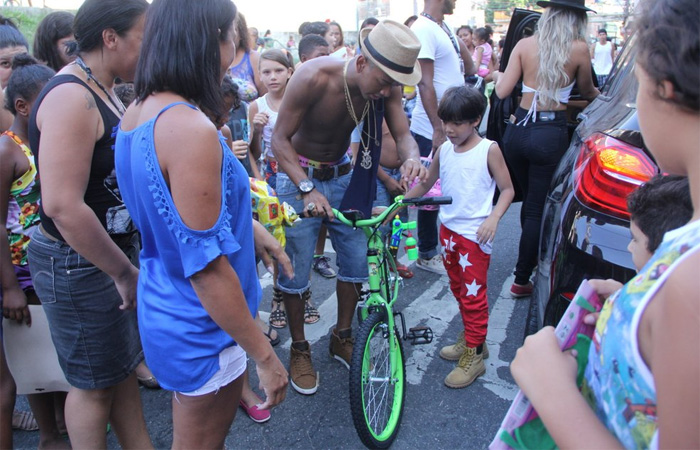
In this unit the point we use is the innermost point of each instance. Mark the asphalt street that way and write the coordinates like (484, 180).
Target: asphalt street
(434, 415)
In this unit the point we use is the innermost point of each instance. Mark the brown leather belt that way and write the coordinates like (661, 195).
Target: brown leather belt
(328, 172)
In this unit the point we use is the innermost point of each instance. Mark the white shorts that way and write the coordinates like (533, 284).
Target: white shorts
(232, 364)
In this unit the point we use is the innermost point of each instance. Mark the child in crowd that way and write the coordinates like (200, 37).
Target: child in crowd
(236, 128)
(482, 51)
(19, 209)
(275, 71)
(658, 206)
(12, 42)
(644, 362)
(312, 46)
(469, 168)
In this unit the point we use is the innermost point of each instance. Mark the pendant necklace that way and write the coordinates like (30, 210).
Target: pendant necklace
(366, 161)
(118, 106)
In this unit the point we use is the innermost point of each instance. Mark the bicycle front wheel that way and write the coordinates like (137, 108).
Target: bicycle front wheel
(377, 382)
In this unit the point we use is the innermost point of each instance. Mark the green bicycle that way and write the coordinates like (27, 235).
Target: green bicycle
(377, 369)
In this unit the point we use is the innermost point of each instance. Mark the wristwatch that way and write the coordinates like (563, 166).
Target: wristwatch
(305, 186)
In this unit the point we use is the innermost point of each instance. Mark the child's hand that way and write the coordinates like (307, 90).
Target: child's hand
(487, 230)
(605, 288)
(540, 367)
(260, 120)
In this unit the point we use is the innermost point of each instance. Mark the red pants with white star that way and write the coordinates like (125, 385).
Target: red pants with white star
(467, 267)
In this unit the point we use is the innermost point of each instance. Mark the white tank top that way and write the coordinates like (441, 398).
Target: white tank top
(466, 178)
(263, 106)
(602, 58)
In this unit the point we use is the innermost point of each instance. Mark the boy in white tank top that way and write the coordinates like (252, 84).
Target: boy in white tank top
(469, 169)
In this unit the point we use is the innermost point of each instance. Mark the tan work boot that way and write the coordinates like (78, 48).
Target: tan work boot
(301, 371)
(469, 368)
(454, 352)
(341, 346)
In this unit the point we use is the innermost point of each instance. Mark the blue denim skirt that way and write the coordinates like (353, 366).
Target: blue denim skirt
(98, 344)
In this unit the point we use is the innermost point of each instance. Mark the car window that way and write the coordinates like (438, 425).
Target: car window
(623, 67)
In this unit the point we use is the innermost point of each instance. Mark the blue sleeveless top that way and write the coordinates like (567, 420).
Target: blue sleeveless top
(618, 383)
(180, 340)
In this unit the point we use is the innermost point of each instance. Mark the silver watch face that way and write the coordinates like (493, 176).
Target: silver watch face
(306, 186)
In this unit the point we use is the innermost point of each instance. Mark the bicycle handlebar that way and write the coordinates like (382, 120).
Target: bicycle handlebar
(351, 218)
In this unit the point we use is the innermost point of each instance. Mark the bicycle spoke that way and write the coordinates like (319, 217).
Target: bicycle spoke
(378, 388)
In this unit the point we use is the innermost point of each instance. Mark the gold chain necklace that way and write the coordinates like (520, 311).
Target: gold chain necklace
(366, 160)
(348, 99)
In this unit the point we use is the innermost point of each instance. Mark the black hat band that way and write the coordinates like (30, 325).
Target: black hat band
(385, 62)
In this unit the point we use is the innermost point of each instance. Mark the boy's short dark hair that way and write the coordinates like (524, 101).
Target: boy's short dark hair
(319, 28)
(461, 104)
(309, 43)
(662, 204)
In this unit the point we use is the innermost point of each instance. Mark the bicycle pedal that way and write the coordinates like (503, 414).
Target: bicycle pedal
(420, 335)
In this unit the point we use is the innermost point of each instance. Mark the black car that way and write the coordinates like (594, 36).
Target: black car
(585, 225)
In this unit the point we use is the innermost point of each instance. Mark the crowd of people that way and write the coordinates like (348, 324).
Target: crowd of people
(125, 181)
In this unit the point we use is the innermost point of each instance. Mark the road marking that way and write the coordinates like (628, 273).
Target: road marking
(435, 308)
(499, 318)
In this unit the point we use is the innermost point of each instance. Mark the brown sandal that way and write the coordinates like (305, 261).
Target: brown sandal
(311, 314)
(278, 316)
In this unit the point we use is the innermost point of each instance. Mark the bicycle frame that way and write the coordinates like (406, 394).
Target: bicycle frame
(377, 424)
(380, 262)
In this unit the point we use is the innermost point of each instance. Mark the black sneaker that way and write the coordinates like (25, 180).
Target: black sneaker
(323, 267)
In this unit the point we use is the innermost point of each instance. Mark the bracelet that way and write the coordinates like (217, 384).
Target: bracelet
(412, 159)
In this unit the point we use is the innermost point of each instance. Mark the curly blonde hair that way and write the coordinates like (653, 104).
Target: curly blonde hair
(557, 29)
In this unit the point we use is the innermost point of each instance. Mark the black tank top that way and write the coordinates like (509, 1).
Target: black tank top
(101, 194)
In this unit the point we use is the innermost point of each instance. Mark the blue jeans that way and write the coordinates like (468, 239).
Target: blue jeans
(427, 220)
(533, 152)
(350, 245)
(98, 344)
(601, 80)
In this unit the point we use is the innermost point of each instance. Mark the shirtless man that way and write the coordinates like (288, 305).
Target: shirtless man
(313, 127)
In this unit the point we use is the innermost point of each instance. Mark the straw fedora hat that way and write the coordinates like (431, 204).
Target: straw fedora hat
(572, 4)
(394, 48)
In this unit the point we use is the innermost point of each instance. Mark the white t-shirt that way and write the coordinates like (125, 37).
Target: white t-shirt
(465, 177)
(263, 106)
(437, 46)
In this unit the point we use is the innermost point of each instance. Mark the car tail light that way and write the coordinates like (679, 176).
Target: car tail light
(607, 171)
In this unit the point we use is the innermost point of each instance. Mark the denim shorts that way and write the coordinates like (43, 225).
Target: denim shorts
(350, 245)
(97, 344)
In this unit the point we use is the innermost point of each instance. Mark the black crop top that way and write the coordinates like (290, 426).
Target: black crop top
(101, 194)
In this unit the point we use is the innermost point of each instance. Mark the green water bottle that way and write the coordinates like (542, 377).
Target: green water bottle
(411, 249)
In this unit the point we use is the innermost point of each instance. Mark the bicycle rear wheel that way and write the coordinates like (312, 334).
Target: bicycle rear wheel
(377, 382)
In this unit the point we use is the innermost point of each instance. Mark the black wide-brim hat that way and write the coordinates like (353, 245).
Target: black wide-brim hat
(572, 4)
